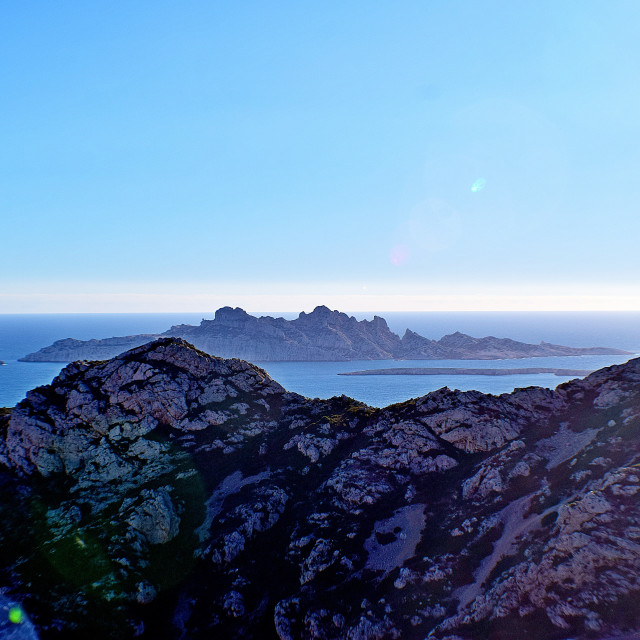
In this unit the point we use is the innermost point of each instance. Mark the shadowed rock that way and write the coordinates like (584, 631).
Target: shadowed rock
(169, 494)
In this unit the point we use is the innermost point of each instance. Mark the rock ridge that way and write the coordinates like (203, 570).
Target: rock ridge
(167, 493)
(322, 335)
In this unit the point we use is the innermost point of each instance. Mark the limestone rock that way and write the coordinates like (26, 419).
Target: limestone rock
(154, 515)
(170, 494)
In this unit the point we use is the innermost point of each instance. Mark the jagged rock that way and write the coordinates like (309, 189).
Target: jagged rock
(320, 335)
(168, 493)
(145, 593)
(234, 604)
(310, 446)
(155, 516)
(482, 484)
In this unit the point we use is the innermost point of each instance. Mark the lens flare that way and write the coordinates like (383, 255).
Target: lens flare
(16, 615)
(478, 185)
(399, 254)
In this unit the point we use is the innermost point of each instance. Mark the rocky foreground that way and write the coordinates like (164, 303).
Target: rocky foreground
(321, 335)
(170, 494)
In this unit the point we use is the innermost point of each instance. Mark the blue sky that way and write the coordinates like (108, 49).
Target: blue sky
(174, 156)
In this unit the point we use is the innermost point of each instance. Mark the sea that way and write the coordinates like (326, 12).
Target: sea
(21, 334)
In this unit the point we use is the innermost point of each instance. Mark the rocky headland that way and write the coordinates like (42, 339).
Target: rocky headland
(167, 493)
(322, 335)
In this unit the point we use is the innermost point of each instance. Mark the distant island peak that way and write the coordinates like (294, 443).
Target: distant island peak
(321, 335)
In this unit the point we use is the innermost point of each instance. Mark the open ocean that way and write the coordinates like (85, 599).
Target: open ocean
(22, 334)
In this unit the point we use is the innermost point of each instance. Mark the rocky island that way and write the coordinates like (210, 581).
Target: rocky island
(453, 371)
(167, 493)
(322, 335)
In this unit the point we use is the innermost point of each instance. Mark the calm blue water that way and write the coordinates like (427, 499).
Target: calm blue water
(21, 334)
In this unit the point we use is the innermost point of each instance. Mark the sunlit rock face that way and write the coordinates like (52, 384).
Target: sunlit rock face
(170, 494)
(322, 335)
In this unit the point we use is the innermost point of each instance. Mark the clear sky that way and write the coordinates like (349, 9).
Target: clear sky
(167, 156)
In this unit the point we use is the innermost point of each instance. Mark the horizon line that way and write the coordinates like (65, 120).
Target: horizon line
(290, 300)
(262, 312)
